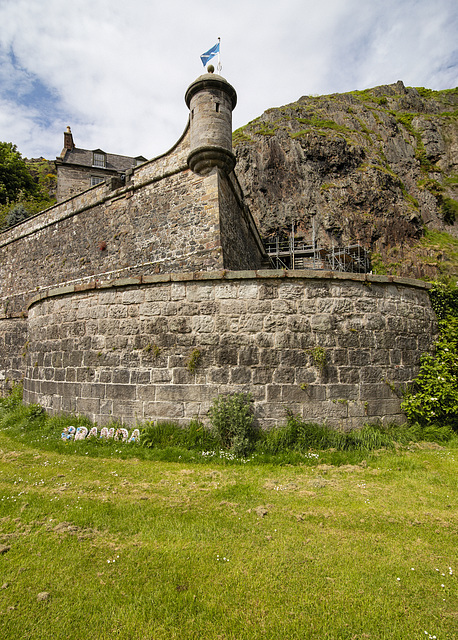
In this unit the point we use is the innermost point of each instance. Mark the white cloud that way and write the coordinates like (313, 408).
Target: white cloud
(117, 72)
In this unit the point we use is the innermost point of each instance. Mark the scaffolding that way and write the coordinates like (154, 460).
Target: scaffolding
(295, 254)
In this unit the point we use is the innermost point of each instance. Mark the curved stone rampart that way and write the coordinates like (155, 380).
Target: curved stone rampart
(327, 346)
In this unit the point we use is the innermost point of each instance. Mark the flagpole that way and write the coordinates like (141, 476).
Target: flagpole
(219, 67)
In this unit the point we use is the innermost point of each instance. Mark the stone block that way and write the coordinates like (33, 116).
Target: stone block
(240, 375)
(267, 291)
(232, 307)
(283, 307)
(147, 309)
(178, 393)
(226, 290)
(349, 375)
(202, 324)
(158, 293)
(218, 375)
(370, 375)
(249, 323)
(359, 357)
(182, 376)
(129, 410)
(68, 404)
(226, 355)
(164, 410)
(248, 355)
(374, 391)
(341, 392)
(322, 322)
(88, 406)
(284, 375)
(274, 411)
(292, 393)
(161, 375)
(146, 392)
(291, 340)
(121, 391)
(177, 291)
(169, 308)
(384, 407)
(296, 323)
(291, 291)
(269, 357)
(140, 377)
(248, 291)
(93, 390)
(197, 292)
(273, 393)
(121, 376)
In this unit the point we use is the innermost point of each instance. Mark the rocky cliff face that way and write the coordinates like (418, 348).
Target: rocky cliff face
(377, 167)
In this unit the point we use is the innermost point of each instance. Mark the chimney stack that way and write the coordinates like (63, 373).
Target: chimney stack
(68, 139)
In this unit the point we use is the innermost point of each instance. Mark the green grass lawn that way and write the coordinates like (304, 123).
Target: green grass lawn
(103, 547)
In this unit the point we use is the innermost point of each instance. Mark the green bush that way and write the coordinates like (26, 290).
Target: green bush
(449, 210)
(232, 422)
(444, 301)
(433, 399)
(12, 400)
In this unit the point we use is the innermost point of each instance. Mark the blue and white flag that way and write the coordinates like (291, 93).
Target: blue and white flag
(211, 53)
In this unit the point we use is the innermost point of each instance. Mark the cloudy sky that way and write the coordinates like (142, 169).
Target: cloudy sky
(117, 70)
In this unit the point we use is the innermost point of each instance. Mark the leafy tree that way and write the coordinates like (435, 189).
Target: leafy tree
(26, 186)
(15, 177)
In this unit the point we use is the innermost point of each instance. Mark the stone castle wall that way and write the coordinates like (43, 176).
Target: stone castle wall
(124, 350)
(167, 219)
(110, 298)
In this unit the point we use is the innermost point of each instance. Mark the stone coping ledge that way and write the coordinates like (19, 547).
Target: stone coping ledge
(199, 276)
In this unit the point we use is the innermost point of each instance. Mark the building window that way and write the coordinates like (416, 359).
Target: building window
(99, 160)
(96, 180)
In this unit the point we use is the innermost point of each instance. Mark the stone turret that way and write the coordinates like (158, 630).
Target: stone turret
(211, 100)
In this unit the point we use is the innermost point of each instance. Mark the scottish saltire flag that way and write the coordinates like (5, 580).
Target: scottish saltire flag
(211, 53)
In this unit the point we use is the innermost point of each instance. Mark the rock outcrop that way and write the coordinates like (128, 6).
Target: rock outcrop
(374, 167)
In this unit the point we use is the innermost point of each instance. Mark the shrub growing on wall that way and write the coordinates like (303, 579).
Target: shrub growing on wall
(232, 422)
(433, 399)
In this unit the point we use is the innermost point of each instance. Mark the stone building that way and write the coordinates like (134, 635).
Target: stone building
(79, 169)
(144, 299)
